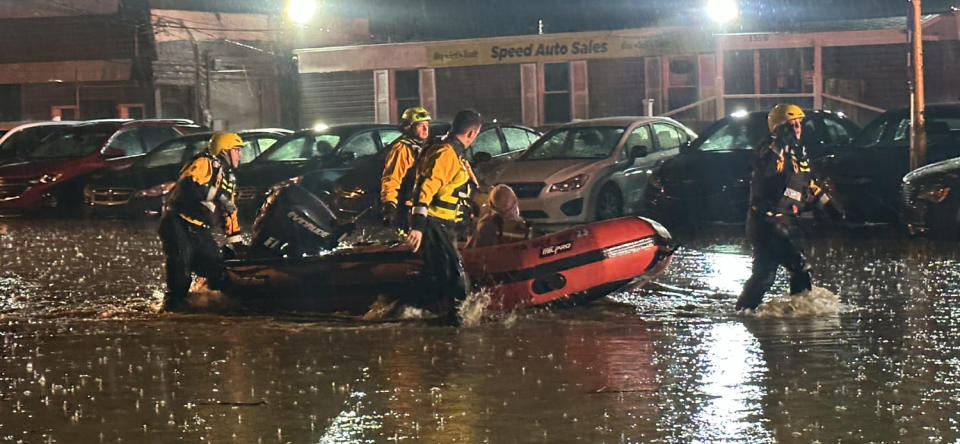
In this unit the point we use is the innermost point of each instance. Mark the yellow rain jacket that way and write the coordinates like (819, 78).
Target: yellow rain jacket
(204, 187)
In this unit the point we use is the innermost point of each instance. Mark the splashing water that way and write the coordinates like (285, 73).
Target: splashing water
(472, 309)
(815, 302)
(203, 297)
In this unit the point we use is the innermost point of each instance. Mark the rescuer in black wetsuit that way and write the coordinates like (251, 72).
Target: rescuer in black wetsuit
(443, 182)
(202, 196)
(781, 185)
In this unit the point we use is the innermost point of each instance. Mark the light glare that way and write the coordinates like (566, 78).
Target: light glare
(722, 11)
(301, 11)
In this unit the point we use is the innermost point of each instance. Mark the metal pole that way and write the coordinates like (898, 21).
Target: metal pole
(918, 136)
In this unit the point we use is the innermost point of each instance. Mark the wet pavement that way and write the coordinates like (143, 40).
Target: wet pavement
(873, 356)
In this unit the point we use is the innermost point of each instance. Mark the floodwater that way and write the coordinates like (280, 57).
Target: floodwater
(871, 357)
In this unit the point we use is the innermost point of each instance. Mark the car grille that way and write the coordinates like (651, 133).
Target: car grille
(247, 193)
(527, 190)
(12, 190)
(109, 196)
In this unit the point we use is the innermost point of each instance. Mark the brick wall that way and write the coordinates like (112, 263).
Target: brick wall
(616, 87)
(882, 69)
(941, 62)
(493, 90)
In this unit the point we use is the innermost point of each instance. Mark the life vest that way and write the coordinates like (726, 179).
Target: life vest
(443, 182)
(202, 187)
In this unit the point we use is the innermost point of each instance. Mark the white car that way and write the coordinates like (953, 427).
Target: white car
(591, 169)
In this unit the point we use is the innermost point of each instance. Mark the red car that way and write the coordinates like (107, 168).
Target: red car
(52, 175)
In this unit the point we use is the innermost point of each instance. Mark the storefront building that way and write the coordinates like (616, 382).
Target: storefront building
(537, 80)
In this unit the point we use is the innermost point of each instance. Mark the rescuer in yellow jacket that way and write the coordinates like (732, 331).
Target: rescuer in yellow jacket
(443, 180)
(397, 179)
(202, 197)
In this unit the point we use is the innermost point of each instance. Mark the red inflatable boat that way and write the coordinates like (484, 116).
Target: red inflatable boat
(586, 262)
(579, 264)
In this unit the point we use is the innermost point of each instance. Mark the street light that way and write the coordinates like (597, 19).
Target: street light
(301, 11)
(722, 11)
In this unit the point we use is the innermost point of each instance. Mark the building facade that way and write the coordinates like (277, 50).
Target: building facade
(858, 66)
(538, 80)
(74, 59)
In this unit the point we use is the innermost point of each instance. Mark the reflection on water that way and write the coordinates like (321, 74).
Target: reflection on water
(730, 383)
(871, 355)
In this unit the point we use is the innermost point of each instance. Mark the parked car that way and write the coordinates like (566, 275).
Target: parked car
(18, 138)
(591, 169)
(709, 180)
(141, 189)
(331, 150)
(865, 177)
(359, 188)
(52, 175)
(930, 200)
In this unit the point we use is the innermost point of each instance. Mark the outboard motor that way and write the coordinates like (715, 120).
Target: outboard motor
(294, 222)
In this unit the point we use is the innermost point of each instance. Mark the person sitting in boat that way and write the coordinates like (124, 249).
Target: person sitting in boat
(443, 179)
(503, 224)
(202, 196)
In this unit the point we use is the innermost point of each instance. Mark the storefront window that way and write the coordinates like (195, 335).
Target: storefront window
(556, 92)
(406, 89)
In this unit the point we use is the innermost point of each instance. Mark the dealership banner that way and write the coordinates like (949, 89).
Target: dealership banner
(544, 48)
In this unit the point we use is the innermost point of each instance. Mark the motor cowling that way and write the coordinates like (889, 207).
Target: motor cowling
(295, 222)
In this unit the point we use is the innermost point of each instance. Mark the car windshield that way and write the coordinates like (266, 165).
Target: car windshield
(73, 142)
(25, 140)
(580, 142)
(173, 152)
(873, 133)
(304, 147)
(895, 129)
(733, 134)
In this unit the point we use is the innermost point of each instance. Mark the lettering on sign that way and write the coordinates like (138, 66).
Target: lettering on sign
(499, 53)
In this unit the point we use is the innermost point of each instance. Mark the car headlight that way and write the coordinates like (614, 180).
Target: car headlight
(46, 178)
(934, 194)
(156, 191)
(573, 183)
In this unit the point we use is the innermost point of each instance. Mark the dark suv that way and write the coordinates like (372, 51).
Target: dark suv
(53, 174)
(865, 177)
(709, 179)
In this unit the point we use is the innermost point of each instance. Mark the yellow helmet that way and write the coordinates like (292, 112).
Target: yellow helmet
(781, 113)
(413, 115)
(221, 141)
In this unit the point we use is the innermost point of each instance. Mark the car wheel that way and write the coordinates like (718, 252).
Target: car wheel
(609, 203)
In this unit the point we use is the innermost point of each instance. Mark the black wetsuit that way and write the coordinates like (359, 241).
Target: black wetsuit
(780, 185)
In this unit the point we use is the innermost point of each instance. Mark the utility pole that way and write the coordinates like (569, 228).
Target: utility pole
(918, 135)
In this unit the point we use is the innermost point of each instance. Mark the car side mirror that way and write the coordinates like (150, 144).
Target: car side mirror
(113, 152)
(686, 147)
(481, 157)
(638, 151)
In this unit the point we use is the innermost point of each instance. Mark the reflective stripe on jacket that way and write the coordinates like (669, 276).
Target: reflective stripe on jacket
(443, 181)
(398, 175)
(201, 190)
